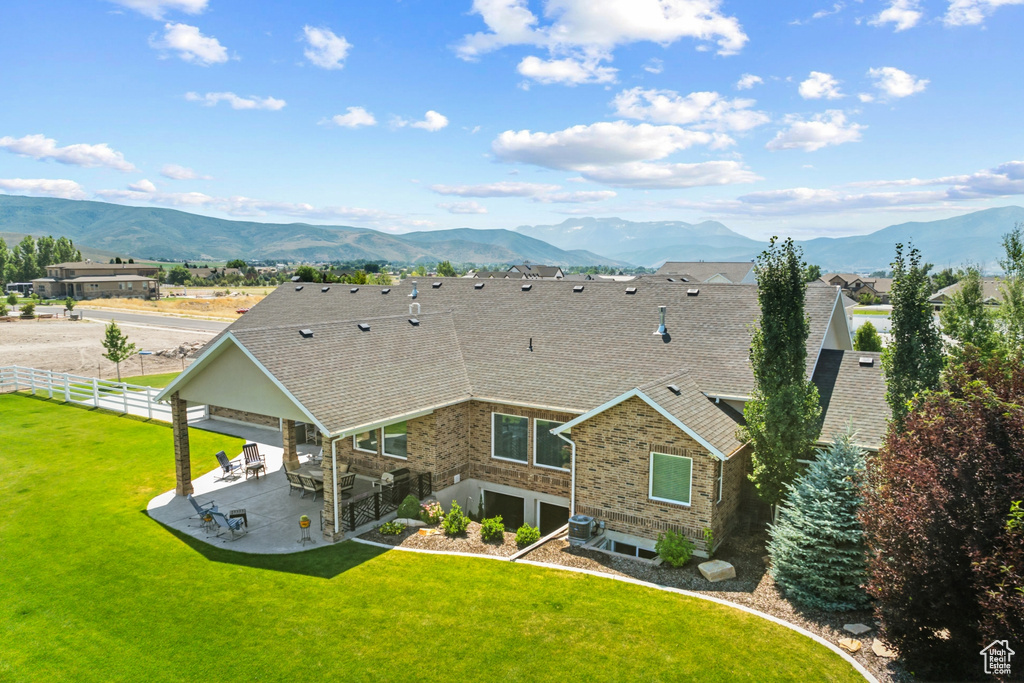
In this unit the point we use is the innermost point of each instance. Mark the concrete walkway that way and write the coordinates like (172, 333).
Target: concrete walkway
(272, 510)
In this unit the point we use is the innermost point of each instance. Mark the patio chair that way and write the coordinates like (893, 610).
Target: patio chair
(310, 485)
(203, 510)
(252, 453)
(293, 483)
(229, 467)
(317, 457)
(254, 461)
(234, 525)
(346, 483)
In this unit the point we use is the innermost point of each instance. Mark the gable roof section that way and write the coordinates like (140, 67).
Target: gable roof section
(852, 396)
(736, 272)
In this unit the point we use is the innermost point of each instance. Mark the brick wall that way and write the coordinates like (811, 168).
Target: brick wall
(242, 416)
(613, 455)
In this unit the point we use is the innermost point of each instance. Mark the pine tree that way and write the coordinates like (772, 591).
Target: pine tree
(117, 346)
(817, 546)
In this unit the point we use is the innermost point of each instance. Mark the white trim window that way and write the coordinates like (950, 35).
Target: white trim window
(509, 436)
(548, 450)
(719, 475)
(671, 478)
(395, 440)
(365, 442)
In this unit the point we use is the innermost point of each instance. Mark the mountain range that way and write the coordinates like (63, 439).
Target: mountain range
(169, 234)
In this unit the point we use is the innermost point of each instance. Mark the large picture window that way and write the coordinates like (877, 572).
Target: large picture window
(509, 437)
(367, 441)
(395, 440)
(671, 478)
(548, 449)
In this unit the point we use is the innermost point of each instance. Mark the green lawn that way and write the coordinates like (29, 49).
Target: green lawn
(93, 590)
(159, 381)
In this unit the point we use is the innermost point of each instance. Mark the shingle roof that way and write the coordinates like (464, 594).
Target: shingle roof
(587, 347)
(716, 423)
(852, 395)
(735, 271)
(989, 290)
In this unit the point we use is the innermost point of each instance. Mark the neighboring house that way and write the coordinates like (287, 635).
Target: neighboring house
(856, 285)
(543, 398)
(989, 290)
(88, 280)
(722, 272)
(531, 271)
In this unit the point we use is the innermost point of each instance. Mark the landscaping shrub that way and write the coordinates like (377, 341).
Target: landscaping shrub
(674, 548)
(817, 546)
(492, 529)
(3, 308)
(456, 521)
(410, 508)
(391, 528)
(12, 299)
(527, 535)
(867, 338)
(709, 541)
(28, 310)
(432, 512)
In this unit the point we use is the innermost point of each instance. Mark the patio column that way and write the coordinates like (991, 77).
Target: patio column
(291, 453)
(182, 461)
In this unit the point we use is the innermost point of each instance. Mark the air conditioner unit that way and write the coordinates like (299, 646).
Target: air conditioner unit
(581, 529)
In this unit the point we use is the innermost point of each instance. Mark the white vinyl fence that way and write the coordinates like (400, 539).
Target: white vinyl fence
(121, 397)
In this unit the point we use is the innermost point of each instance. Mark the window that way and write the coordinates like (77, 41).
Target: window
(509, 437)
(719, 471)
(395, 440)
(671, 477)
(366, 442)
(633, 550)
(511, 508)
(548, 449)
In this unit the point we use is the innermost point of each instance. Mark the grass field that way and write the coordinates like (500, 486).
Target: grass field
(94, 590)
(223, 307)
(159, 381)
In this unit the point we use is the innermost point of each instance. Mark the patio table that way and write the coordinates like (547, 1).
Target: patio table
(311, 472)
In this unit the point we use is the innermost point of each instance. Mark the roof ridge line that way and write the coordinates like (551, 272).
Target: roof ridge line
(447, 311)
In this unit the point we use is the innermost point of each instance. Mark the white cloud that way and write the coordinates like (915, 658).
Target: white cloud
(155, 9)
(894, 82)
(972, 12)
(191, 45)
(432, 121)
(820, 14)
(823, 130)
(43, 187)
(142, 186)
(666, 176)
(326, 50)
(703, 110)
(356, 117)
(462, 207)
(865, 97)
(819, 85)
(41, 148)
(176, 172)
(654, 66)
(582, 197)
(597, 144)
(211, 99)
(499, 189)
(748, 81)
(566, 71)
(903, 13)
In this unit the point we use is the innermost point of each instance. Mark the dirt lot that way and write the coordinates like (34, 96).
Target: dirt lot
(216, 308)
(66, 346)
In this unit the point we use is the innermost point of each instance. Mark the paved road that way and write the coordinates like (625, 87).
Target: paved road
(143, 319)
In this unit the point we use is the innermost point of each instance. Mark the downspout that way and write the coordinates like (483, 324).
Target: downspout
(334, 467)
(572, 474)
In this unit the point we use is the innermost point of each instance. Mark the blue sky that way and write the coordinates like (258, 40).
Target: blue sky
(802, 118)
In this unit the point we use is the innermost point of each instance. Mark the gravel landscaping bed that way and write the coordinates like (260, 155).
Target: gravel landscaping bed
(470, 542)
(752, 587)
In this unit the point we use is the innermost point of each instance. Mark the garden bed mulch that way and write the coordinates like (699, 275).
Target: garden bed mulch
(753, 587)
(469, 542)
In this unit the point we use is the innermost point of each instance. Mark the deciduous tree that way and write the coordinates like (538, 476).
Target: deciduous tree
(1011, 310)
(867, 338)
(966, 320)
(118, 347)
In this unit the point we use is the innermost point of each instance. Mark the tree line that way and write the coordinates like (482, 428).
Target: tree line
(29, 258)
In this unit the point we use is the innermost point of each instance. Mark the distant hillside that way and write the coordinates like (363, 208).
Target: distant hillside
(169, 234)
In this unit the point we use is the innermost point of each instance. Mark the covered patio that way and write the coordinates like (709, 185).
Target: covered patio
(272, 510)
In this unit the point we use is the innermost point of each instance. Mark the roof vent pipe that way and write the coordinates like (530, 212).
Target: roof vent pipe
(414, 292)
(661, 331)
(417, 305)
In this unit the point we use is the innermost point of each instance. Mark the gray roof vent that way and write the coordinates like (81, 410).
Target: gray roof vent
(299, 288)
(414, 321)
(671, 279)
(386, 290)
(479, 285)
(306, 333)
(296, 278)
(692, 292)
(661, 331)
(527, 288)
(437, 285)
(325, 289)
(578, 288)
(866, 361)
(630, 290)
(353, 290)
(365, 327)
(674, 388)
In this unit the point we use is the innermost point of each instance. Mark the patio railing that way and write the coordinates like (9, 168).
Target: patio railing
(372, 506)
(121, 397)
